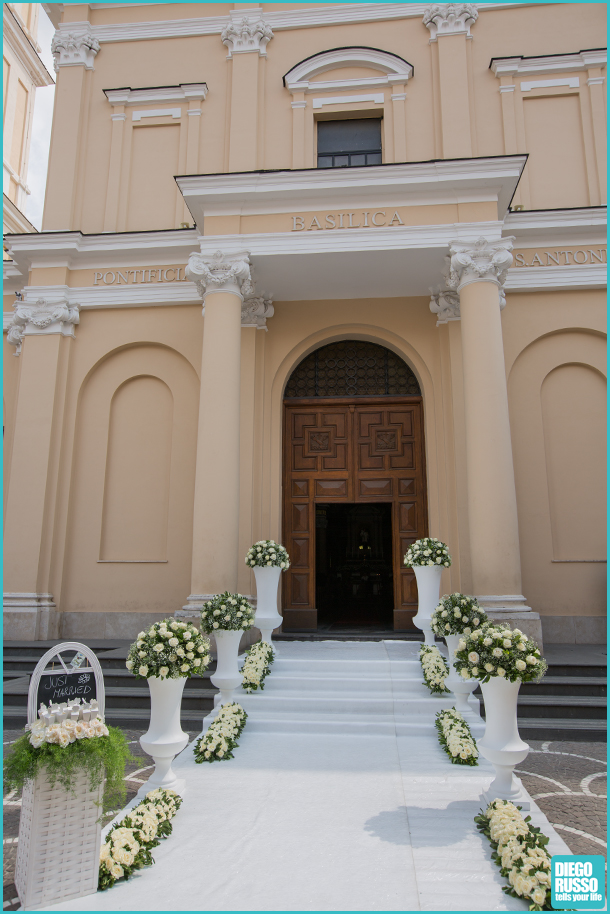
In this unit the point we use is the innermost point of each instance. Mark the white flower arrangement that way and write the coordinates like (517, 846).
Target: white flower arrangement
(268, 553)
(169, 650)
(455, 737)
(65, 723)
(496, 650)
(219, 740)
(434, 668)
(128, 846)
(227, 612)
(457, 614)
(256, 667)
(519, 850)
(427, 551)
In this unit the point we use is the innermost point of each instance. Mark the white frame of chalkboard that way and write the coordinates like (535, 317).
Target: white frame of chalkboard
(94, 666)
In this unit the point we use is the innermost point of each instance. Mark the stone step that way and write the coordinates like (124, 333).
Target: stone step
(566, 685)
(138, 718)
(594, 731)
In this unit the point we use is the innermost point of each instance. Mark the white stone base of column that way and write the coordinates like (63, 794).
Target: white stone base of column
(30, 617)
(512, 610)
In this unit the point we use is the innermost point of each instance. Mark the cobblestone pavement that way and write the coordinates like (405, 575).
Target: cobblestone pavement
(567, 780)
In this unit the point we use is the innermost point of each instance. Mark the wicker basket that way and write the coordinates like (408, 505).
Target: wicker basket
(59, 842)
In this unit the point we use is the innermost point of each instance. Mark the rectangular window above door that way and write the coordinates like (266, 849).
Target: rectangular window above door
(352, 142)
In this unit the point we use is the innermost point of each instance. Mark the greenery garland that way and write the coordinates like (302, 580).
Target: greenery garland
(256, 667)
(102, 756)
(434, 667)
(219, 740)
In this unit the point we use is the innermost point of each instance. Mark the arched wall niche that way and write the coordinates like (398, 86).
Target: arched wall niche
(548, 385)
(136, 432)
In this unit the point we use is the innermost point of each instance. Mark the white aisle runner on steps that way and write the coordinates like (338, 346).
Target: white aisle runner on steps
(339, 798)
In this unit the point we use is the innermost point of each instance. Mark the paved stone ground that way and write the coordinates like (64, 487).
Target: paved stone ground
(567, 780)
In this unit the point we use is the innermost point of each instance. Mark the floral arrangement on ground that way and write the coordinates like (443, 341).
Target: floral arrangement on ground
(128, 845)
(519, 850)
(434, 667)
(457, 614)
(228, 612)
(268, 553)
(64, 749)
(219, 740)
(427, 551)
(455, 737)
(256, 667)
(496, 650)
(169, 650)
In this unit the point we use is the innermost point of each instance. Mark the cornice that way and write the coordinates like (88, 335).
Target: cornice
(147, 96)
(317, 16)
(555, 63)
(536, 228)
(542, 279)
(21, 46)
(108, 297)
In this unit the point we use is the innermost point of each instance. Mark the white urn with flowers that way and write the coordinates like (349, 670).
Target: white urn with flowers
(427, 557)
(227, 616)
(455, 617)
(268, 560)
(166, 656)
(501, 659)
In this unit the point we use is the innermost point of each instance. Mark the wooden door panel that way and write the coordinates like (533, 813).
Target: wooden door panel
(352, 451)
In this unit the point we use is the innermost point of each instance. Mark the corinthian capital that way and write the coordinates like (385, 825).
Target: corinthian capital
(243, 35)
(74, 47)
(446, 305)
(479, 261)
(450, 18)
(255, 311)
(221, 273)
(40, 317)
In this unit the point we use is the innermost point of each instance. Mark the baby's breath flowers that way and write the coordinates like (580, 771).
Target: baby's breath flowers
(457, 614)
(434, 667)
(227, 612)
(267, 554)
(520, 852)
(169, 650)
(219, 740)
(427, 551)
(496, 650)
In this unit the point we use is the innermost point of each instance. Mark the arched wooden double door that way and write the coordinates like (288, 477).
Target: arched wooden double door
(362, 449)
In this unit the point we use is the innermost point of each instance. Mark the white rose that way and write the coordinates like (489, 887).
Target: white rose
(487, 641)
(444, 614)
(129, 664)
(173, 642)
(521, 665)
(158, 648)
(140, 644)
(227, 618)
(163, 671)
(501, 671)
(217, 612)
(507, 642)
(184, 668)
(143, 670)
(465, 674)
(475, 671)
(197, 661)
(190, 655)
(201, 649)
(215, 625)
(497, 652)
(531, 660)
(37, 739)
(151, 632)
(521, 646)
(190, 646)
(473, 657)
(141, 634)
(476, 621)
(180, 651)
(489, 667)
(141, 653)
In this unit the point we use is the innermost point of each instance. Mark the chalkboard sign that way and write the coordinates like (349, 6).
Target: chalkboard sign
(66, 680)
(58, 686)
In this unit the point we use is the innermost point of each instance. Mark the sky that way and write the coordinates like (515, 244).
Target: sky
(41, 128)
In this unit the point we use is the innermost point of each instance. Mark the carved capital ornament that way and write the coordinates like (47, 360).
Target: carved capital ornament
(41, 317)
(450, 19)
(243, 36)
(221, 273)
(479, 261)
(74, 48)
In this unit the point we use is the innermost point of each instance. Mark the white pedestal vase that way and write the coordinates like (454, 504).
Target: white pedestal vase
(501, 743)
(227, 676)
(461, 688)
(165, 737)
(58, 854)
(267, 617)
(428, 594)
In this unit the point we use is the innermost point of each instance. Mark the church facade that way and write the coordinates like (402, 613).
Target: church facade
(328, 274)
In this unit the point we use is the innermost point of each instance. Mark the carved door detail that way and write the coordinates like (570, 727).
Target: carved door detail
(364, 450)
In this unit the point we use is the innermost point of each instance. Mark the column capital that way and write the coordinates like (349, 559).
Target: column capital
(74, 45)
(246, 34)
(255, 311)
(446, 305)
(450, 19)
(479, 261)
(221, 272)
(41, 317)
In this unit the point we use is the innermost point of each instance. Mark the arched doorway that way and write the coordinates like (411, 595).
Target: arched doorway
(354, 488)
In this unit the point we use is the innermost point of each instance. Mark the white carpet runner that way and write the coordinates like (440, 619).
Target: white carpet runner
(339, 798)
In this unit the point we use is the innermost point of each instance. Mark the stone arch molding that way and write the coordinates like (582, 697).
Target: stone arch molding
(393, 70)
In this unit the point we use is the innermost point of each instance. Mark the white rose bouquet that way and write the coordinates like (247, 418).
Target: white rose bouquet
(434, 667)
(268, 553)
(519, 849)
(219, 740)
(169, 650)
(427, 551)
(228, 612)
(457, 614)
(256, 667)
(496, 650)
(128, 846)
(455, 737)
